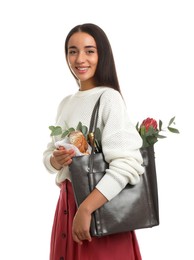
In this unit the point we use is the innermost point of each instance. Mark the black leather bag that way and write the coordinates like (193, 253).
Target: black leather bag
(135, 207)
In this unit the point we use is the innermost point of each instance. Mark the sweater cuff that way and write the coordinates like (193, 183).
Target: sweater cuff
(109, 191)
(48, 165)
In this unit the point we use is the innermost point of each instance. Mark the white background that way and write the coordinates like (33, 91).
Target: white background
(153, 48)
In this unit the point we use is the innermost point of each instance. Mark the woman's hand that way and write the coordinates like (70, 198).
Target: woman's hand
(62, 157)
(81, 226)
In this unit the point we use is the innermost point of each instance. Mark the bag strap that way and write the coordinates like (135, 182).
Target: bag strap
(93, 122)
(94, 117)
(92, 129)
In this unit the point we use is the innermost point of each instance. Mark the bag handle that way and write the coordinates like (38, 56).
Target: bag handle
(94, 117)
(92, 130)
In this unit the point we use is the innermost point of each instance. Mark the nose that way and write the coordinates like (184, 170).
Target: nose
(80, 57)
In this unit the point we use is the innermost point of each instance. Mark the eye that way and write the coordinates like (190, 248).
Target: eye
(72, 52)
(90, 51)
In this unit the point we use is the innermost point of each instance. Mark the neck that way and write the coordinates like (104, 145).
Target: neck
(86, 85)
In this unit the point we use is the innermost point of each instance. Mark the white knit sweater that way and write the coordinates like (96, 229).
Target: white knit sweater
(120, 140)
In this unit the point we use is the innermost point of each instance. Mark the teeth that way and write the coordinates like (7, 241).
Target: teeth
(82, 68)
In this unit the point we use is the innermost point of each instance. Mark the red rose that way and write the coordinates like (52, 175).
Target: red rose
(149, 122)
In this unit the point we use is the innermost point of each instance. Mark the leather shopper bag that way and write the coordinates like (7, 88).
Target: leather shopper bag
(135, 207)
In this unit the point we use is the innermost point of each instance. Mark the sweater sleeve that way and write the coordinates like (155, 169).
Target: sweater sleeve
(120, 143)
(51, 146)
(46, 158)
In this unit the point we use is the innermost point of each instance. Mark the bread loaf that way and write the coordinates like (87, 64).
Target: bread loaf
(78, 139)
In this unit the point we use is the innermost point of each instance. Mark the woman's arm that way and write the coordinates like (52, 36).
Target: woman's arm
(82, 219)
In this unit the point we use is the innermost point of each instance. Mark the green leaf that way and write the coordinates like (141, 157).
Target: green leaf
(98, 134)
(79, 126)
(152, 140)
(161, 136)
(137, 126)
(51, 127)
(65, 133)
(173, 130)
(171, 121)
(71, 129)
(55, 130)
(151, 131)
(68, 131)
(84, 130)
(142, 130)
(160, 125)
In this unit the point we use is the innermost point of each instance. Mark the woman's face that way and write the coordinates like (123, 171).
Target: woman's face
(82, 58)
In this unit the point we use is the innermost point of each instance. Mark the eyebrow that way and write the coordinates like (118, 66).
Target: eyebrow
(87, 47)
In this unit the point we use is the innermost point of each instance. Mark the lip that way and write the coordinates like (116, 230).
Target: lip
(82, 69)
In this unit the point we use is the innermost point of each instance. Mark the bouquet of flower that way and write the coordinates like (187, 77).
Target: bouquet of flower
(149, 130)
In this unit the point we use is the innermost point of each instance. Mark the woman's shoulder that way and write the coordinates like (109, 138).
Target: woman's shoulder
(63, 102)
(111, 95)
(65, 99)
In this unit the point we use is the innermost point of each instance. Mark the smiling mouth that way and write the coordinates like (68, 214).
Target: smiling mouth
(82, 68)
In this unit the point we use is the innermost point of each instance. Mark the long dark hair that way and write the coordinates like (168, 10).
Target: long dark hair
(105, 74)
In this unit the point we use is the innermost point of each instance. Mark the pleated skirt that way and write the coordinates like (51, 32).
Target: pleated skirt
(122, 246)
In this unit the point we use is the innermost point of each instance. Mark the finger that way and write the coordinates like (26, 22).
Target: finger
(61, 158)
(76, 239)
(71, 152)
(57, 153)
(67, 162)
(87, 236)
(61, 148)
(84, 236)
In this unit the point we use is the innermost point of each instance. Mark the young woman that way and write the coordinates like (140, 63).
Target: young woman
(90, 59)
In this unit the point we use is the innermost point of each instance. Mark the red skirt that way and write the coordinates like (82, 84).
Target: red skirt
(122, 246)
